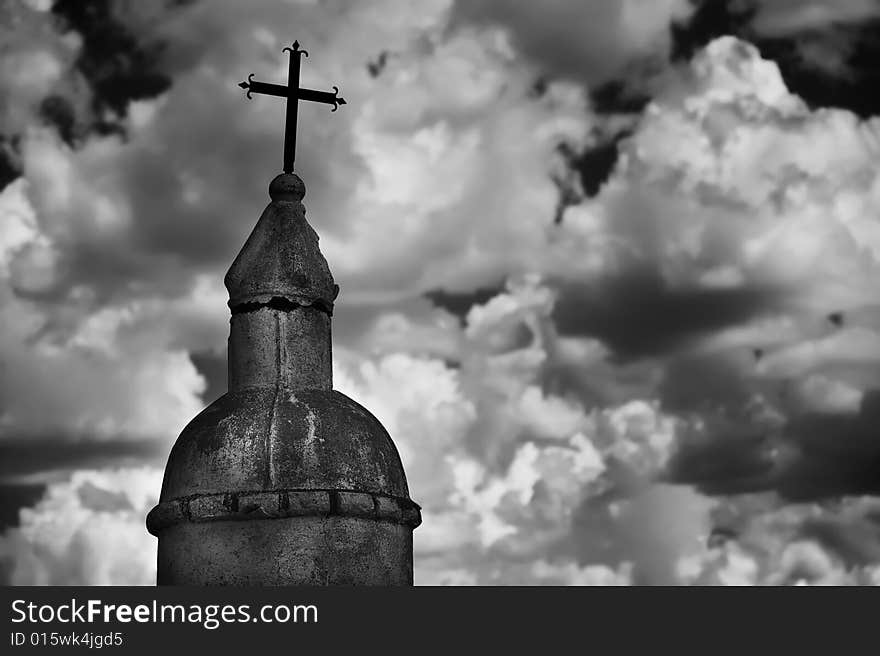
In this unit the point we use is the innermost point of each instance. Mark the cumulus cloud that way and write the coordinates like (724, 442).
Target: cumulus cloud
(507, 472)
(725, 164)
(88, 530)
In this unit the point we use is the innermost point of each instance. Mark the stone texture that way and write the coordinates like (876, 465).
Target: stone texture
(295, 551)
(281, 258)
(282, 480)
(267, 346)
(275, 438)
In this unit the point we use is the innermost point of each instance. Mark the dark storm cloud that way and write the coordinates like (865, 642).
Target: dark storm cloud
(30, 456)
(816, 456)
(638, 314)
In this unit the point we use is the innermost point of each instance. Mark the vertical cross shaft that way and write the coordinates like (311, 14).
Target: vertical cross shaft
(292, 107)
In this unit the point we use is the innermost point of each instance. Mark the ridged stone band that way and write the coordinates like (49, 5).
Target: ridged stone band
(278, 504)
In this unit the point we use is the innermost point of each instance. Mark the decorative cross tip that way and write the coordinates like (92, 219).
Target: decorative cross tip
(295, 49)
(336, 100)
(247, 85)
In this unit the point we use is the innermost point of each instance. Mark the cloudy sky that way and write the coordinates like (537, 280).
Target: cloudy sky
(609, 272)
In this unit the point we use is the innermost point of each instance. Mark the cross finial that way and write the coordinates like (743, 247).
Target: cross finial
(293, 93)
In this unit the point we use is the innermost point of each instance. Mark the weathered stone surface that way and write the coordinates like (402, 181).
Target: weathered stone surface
(270, 347)
(287, 187)
(283, 503)
(298, 551)
(282, 480)
(281, 259)
(264, 439)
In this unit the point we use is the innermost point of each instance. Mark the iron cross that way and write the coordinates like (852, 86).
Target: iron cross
(294, 93)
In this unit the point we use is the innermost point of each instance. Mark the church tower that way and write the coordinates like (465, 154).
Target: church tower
(283, 480)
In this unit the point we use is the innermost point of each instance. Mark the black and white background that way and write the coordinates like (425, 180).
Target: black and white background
(610, 272)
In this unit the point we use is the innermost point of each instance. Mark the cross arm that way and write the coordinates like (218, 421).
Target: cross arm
(265, 88)
(321, 96)
(268, 89)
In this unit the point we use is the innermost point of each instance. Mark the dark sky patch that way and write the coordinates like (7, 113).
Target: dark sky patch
(14, 497)
(834, 67)
(618, 97)
(594, 164)
(638, 315)
(10, 164)
(710, 20)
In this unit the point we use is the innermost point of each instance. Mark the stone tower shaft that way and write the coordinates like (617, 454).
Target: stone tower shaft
(281, 294)
(282, 480)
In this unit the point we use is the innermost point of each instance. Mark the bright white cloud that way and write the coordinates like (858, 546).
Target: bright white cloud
(88, 530)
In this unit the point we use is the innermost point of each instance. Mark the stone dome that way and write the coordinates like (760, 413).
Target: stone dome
(267, 439)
